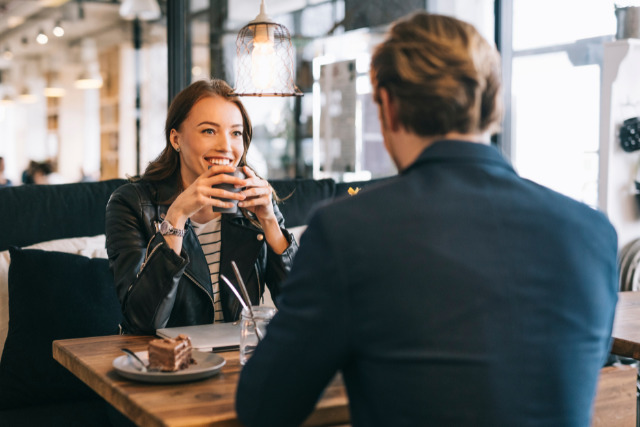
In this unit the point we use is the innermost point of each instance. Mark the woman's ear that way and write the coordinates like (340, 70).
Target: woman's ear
(388, 110)
(174, 138)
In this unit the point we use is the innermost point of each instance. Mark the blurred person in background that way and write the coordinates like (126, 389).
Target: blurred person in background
(37, 173)
(4, 181)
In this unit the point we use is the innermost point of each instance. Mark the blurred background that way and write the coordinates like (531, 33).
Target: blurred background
(84, 89)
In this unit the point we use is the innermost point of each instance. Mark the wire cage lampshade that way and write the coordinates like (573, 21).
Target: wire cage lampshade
(265, 59)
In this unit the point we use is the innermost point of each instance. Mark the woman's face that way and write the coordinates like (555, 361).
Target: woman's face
(210, 135)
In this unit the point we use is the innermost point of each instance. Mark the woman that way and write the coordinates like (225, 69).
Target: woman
(167, 247)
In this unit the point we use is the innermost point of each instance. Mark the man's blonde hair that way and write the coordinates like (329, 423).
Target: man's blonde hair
(443, 75)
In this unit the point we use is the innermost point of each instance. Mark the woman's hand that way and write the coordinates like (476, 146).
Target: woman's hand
(259, 201)
(200, 194)
(258, 197)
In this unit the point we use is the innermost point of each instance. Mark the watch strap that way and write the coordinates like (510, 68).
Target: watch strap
(167, 228)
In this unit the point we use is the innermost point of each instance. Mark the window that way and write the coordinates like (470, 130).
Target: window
(555, 64)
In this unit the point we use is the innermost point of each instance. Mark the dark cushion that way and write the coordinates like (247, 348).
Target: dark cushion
(53, 211)
(94, 413)
(300, 196)
(52, 295)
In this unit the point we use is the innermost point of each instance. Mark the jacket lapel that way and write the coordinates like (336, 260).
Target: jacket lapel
(198, 268)
(242, 245)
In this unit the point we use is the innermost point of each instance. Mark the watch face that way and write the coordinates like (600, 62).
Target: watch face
(165, 228)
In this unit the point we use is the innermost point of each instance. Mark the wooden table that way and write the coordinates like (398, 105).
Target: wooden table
(208, 402)
(626, 326)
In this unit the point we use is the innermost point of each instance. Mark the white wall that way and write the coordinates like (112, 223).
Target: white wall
(23, 127)
(78, 128)
(620, 100)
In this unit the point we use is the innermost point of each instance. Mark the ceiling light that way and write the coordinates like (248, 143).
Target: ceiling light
(265, 59)
(26, 97)
(89, 78)
(58, 31)
(6, 100)
(54, 89)
(54, 92)
(42, 38)
(7, 54)
(145, 10)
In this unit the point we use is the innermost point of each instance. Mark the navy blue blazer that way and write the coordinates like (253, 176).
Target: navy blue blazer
(455, 294)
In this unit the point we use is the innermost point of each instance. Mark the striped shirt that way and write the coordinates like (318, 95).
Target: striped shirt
(210, 239)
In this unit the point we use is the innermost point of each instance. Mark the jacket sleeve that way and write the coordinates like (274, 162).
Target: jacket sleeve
(279, 265)
(306, 342)
(146, 270)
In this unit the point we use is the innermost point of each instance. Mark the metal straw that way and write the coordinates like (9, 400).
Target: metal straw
(243, 289)
(235, 291)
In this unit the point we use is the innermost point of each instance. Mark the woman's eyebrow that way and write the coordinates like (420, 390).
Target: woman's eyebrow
(208, 123)
(217, 125)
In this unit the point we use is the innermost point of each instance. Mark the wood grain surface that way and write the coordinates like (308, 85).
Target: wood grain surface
(626, 325)
(208, 402)
(615, 403)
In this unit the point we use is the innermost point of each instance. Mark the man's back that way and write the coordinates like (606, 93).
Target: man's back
(477, 293)
(456, 293)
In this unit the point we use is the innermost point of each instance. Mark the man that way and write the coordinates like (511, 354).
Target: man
(455, 294)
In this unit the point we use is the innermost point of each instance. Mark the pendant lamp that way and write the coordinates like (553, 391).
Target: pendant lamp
(145, 10)
(265, 59)
(54, 88)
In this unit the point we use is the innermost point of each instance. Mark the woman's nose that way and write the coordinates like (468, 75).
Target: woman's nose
(223, 143)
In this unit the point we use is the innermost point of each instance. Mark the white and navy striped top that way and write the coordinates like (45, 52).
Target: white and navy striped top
(210, 239)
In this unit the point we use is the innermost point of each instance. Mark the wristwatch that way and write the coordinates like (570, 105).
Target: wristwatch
(167, 228)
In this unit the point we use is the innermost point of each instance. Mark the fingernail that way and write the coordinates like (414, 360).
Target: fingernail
(241, 204)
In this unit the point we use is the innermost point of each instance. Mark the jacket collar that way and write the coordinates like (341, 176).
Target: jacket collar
(460, 151)
(164, 191)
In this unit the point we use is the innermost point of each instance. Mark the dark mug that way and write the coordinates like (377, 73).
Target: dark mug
(232, 188)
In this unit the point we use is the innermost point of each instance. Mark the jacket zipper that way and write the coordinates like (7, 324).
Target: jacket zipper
(146, 258)
(185, 273)
(144, 263)
(203, 290)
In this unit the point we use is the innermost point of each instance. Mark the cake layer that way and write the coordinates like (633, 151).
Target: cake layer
(170, 354)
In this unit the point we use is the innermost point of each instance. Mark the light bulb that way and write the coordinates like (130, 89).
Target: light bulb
(263, 65)
(263, 58)
(7, 54)
(42, 38)
(58, 31)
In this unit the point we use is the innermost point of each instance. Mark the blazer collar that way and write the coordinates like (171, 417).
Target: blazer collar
(460, 151)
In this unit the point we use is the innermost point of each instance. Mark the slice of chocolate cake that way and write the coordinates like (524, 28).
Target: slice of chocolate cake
(170, 354)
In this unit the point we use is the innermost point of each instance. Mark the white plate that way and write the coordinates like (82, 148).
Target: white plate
(207, 365)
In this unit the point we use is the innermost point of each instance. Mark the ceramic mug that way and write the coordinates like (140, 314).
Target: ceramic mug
(232, 188)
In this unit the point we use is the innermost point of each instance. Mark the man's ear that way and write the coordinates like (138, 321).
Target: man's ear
(389, 110)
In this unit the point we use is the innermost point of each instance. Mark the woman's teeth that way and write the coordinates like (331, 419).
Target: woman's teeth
(220, 162)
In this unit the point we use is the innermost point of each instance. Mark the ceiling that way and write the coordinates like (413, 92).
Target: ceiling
(21, 20)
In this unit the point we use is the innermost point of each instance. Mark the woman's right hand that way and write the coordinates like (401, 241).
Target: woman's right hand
(200, 194)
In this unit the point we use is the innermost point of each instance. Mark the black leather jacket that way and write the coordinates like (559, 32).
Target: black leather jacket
(158, 288)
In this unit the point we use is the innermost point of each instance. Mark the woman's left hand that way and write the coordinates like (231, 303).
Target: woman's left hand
(258, 196)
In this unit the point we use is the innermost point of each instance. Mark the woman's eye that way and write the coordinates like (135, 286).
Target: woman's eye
(208, 131)
(237, 133)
